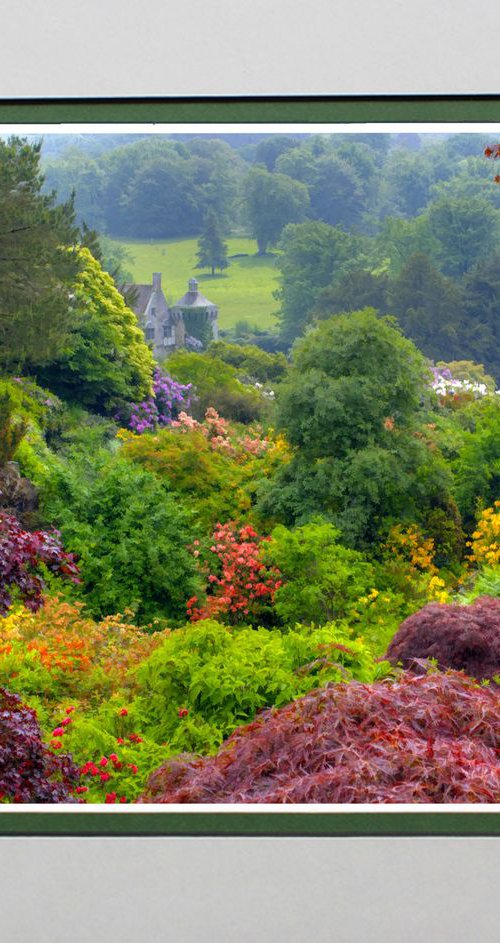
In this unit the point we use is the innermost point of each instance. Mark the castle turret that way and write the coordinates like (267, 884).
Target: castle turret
(194, 301)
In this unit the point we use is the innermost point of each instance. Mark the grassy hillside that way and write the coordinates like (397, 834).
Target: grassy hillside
(243, 292)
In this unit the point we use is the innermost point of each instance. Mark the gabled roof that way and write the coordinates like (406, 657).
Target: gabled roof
(143, 294)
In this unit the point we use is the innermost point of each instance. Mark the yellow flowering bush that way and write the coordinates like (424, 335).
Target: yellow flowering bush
(485, 543)
(409, 556)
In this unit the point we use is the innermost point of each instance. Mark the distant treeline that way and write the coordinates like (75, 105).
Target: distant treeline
(159, 187)
(408, 224)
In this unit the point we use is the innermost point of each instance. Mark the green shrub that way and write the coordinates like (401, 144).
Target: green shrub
(129, 532)
(322, 580)
(251, 361)
(12, 428)
(206, 679)
(215, 384)
(485, 583)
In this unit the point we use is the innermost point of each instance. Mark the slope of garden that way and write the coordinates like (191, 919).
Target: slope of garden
(236, 575)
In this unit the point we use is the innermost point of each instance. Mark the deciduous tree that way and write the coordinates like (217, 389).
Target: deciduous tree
(272, 201)
(107, 362)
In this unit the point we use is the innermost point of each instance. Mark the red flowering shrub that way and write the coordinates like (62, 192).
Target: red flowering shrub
(420, 739)
(466, 638)
(22, 554)
(244, 586)
(29, 771)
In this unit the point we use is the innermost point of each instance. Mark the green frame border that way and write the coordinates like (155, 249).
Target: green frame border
(250, 825)
(306, 109)
(279, 110)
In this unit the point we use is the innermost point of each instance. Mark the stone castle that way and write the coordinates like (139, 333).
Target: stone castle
(164, 326)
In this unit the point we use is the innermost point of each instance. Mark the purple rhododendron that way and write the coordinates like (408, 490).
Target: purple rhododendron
(168, 400)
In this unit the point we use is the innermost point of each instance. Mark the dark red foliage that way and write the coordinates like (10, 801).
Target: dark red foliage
(418, 739)
(466, 638)
(22, 553)
(29, 771)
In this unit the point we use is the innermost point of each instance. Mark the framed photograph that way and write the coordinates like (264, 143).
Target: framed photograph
(249, 480)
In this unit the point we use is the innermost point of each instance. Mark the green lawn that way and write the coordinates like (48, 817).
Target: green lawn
(243, 292)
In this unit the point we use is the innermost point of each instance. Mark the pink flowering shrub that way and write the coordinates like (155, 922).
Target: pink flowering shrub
(222, 436)
(242, 588)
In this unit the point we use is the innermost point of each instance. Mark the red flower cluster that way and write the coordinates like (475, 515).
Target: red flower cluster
(421, 739)
(245, 585)
(493, 152)
(99, 769)
(60, 730)
(108, 768)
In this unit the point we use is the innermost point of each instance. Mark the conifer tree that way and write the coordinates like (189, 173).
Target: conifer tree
(36, 272)
(212, 250)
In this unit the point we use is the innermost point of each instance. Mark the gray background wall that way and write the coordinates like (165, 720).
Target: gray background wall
(249, 890)
(235, 47)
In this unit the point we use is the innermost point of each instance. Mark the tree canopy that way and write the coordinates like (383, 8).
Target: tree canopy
(350, 409)
(273, 200)
(107, 363)
(36, 272)
(212, 250)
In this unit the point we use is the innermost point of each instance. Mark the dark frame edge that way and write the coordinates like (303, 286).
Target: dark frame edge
(258, 825)
(275, 109)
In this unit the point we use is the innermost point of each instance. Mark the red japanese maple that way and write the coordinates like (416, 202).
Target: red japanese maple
(462, 637)
(418, 739)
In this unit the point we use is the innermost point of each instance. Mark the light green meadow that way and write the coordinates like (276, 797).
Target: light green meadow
(244, 291)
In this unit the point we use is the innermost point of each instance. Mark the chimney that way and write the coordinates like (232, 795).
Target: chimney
(156, 281)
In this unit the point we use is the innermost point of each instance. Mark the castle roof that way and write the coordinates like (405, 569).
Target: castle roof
(194, 298)
(142, 295)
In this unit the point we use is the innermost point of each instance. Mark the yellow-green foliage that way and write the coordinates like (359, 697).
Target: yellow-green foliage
(107, 362)
(220, 677)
